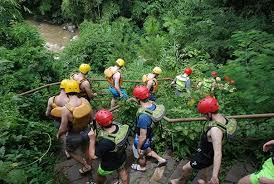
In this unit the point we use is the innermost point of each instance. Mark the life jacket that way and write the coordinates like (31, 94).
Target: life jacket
(181, 82)
(145, 80)
(229, 128)
(156, 115)
(109, 72)
(82, 93)
(120, 138)
(81, 115)
(56, 111)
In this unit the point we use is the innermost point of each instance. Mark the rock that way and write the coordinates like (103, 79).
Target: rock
(178, 171)
(237, 171)
(69, 27)
(75, 37)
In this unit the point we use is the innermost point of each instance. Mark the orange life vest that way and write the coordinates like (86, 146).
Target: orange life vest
(81, 115)
(82, 93)
(109, 72)
(56, 110)
(154, 88)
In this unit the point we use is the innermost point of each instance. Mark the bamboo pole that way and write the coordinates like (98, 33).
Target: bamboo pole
(41, 87)
(94, 79)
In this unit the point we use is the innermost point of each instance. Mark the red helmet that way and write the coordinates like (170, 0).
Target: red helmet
(214, 74)
(207, 105)
(103, 117)
(188, 71)
(141, 92)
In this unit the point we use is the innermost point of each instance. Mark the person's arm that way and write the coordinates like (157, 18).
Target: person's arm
(141, 138)
(174, 81)
(264, 180)
(216, 136)
(49, 107)
(188, 85)
(149, 84)
(268, 145)
(116, 78)
(64, 123)
(91, 149)
(87, 88)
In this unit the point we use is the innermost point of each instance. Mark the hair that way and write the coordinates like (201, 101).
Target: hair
(108, 126)
(72, 93)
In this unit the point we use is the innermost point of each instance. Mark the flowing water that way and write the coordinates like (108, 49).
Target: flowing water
(55, 36)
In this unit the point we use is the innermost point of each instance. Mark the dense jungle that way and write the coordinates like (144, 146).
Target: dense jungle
(233, 37)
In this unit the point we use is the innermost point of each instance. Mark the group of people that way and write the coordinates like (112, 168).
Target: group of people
(88, 135)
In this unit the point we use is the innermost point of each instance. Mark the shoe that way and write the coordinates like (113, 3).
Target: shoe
(137, 167)
(162, 163)
(85, 170)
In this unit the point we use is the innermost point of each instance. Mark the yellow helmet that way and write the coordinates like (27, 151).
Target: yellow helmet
(72, 86)
(84, 68)
(157, 70)
(120, 62)
(63, 83)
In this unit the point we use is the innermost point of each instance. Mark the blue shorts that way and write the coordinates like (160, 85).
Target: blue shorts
(145, 146)
(115, 93)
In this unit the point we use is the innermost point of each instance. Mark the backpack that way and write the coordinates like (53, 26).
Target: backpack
(156, 115)
(120, 138)
(230, 127)
(81, 115)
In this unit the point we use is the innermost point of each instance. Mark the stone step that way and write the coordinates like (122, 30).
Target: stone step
(178, 171)
(239, 170)
(162, 174)
(204, 174)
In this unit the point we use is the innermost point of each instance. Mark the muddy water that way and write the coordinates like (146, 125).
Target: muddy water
(55, 37)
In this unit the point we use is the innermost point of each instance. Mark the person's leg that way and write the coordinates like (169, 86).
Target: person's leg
(112, 103)
(245, 180)
(101, 175)
(100, 179)
(153, 154)
(124, 175)
(205, 176)
(80, 159)
(186, 171)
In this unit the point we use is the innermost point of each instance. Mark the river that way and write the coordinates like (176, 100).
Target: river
(55, 36)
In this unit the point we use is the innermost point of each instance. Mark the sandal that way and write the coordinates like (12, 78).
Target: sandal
(163, 163)
(85, 170)
(137, 167)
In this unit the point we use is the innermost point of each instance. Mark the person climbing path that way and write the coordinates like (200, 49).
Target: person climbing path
(208, 86)
(143, 138)
(151, 82)
(56, 102)
(182, 82)
(210, 149)
(266, 174)
(114, 78)
(111, 144)
(85, 84)
(75, 120)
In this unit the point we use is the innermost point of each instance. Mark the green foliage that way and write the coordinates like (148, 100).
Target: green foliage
(252, 64)
(100, 45)
(232, 37)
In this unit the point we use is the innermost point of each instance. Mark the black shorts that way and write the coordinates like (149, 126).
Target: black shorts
(201, 160)
(75, 140)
